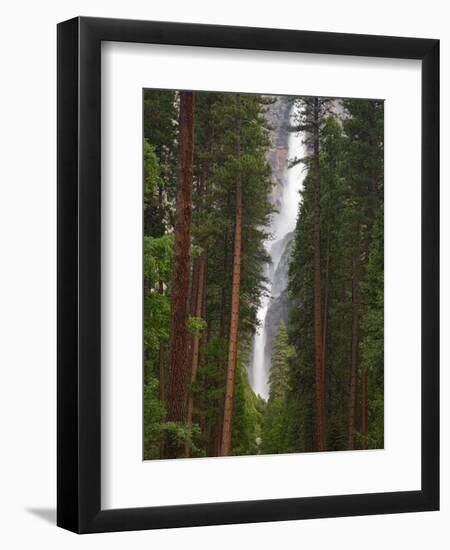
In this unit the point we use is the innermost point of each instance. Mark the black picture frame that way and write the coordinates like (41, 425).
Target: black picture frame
(79, 281)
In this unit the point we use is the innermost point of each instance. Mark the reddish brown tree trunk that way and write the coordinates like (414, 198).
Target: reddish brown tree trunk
(178, 339)
(161, 370)
(196, 339)
(146, 352)
(204, 337)
(194, 286)
(218, 439)
(234, 326)
(161, 356)
(354, 359)
(318, 334)
(161, 390)
(364, 407)
(325, 329)
(225, 277)
(192, 306)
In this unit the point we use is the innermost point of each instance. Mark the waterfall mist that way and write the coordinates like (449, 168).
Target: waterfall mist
(278, 248)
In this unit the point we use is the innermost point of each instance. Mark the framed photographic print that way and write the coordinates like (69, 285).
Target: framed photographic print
(248, 256)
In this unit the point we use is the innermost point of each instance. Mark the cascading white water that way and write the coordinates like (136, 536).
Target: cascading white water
(283, 222)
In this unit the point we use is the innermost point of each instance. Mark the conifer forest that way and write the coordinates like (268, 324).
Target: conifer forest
(263, 274)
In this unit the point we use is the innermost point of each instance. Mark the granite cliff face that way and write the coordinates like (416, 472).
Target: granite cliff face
(278, 116)
(278, 309)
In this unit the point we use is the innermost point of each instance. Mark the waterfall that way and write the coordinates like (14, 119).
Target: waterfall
(281, 229)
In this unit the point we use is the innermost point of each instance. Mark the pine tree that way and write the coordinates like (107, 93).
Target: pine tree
(248, 172)
(274, 432)
(372, 345)
(281, 354)
(312, 117)
(178, 365)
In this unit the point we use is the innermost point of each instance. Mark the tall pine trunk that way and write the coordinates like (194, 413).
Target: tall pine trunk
(195, 344)
(161, 355)
(223, 300)
(372, 190)
(318, 334)
(364, 407)
(179, 336)
(234, 322)
(325, 331)
(354, 355)
(146, 351)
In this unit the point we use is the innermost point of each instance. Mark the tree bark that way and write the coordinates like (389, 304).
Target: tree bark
(354, 357)
(234, 322)
(225, 276)
(318, 334)
(161, 356)
(146, 351)
(325, 332)
(161, 377)
(364, 407)
(178, 339)
(192, 306)
(194, 286)
(196, 339)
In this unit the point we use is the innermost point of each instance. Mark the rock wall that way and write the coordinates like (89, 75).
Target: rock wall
(278, 117)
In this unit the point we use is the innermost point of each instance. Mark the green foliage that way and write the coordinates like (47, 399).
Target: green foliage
(157, 429)
(152, 178)
(372, 345)
(182, 434)
(275, 435)
(196, 325)
(161, 133)
(246, 416)
(208, 393)
(154, 415)
(275, 438)
(157, 272)
(157, 259)
(281, 355)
